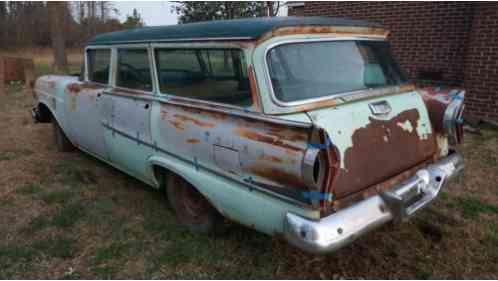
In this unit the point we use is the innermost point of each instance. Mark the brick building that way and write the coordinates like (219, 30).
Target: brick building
(443, 43)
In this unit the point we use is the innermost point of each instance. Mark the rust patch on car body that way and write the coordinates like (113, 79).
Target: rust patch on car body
(76, 88)
(192, 141)
(373, 190)
(177, 125)
(264, 138)
(184, 119)
(325, 29)
(380, 150)
(270, 158)
(272, 174)
(436, 102)
(254, 89)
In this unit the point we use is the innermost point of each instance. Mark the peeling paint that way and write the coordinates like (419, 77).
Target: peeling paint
(407, 126)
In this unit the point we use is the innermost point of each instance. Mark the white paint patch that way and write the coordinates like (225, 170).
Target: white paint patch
(406, 126)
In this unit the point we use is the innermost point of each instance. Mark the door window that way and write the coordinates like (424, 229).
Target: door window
(99, 61)
(134, 70)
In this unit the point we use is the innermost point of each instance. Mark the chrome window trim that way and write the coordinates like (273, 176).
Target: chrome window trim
(280, 103)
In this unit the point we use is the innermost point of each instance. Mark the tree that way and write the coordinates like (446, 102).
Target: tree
(133, 21)
(3, 23)
(189, 11)
(58, 12)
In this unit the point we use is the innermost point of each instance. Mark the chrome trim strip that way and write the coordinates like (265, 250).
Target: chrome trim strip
(319, 99)
(245, 38)
(339, 229)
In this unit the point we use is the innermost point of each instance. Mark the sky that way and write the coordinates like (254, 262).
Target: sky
(154, 12)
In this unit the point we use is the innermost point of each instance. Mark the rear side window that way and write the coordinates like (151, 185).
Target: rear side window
(217, 75)
(99, 62)
(134, 70)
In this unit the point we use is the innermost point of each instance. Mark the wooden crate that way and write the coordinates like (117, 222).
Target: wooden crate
(16, 69)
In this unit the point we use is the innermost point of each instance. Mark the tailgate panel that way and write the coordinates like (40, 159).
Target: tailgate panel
(373, 148)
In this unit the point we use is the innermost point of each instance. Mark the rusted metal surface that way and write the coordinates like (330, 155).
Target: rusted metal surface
(267, 153)
(254, 89)
(437, 100)
(334, 102)
(373, 190)
(374, 157)
(335, 30)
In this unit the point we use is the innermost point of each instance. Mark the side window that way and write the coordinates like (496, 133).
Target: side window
(204, 74)
(99, 61)
(134, 69)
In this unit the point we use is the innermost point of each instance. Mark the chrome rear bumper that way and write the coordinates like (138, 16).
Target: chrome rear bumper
(398, 203)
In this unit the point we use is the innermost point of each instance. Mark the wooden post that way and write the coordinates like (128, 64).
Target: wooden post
(2, 76)
(29, 76)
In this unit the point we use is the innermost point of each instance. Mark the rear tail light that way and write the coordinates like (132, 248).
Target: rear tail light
(453, 119)
(320, 165)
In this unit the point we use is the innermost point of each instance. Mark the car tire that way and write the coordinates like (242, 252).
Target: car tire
(192, 209)
(62, 143)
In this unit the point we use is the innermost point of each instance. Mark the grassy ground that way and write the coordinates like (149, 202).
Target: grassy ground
(67, 215)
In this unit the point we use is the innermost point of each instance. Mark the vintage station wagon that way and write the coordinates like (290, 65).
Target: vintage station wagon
(303, 127)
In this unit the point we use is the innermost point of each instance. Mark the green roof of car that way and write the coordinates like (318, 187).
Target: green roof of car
(238, 29)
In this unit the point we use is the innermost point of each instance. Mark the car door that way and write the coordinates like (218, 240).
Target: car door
(128, 133)
(85, 104)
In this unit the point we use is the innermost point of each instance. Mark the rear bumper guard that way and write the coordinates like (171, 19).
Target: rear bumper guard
(398, 203)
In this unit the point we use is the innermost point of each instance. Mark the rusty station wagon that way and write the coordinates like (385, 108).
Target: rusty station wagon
(303, 127)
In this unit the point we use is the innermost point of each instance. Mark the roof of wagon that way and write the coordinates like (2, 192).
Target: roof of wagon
(239, 29)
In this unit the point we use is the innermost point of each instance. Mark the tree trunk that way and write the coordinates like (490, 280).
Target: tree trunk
(58, 15)
(2, 75)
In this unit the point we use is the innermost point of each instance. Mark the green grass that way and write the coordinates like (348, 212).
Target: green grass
(11, 155)
(104, 271)
(69, 174)
(37, 224)
(114, 251)
(58, 196)
(29, 189)
(13, 254)
(489, 159)
(69, 215)
(57, 247)
(472, 207)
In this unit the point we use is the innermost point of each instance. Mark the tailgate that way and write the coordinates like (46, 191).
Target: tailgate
(375, 146)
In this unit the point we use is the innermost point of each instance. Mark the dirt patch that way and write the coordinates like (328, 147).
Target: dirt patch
(68, 215)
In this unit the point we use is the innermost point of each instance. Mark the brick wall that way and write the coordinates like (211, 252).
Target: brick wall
(296, 11)
(438, 41)
(481, 64)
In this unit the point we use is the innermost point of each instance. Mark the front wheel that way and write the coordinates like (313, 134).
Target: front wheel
(62, 143)
(191, 208)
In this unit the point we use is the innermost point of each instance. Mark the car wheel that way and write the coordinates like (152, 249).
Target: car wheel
(192, 209)
(62, 143)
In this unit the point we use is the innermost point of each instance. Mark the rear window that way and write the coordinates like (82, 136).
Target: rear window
(217, 75)
(304, 71)
(98, 65)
